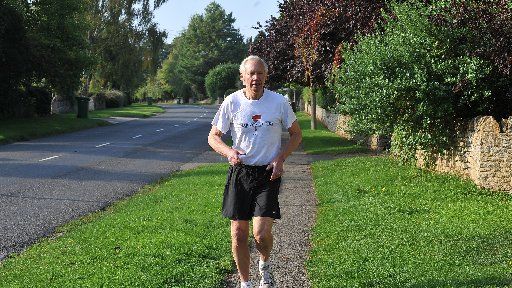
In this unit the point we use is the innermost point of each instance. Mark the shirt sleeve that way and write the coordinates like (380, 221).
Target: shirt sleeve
(288, 115)
(222, 119)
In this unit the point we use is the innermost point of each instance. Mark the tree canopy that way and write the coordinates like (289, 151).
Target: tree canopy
(63, 45)
(209, 40)
(220, 79)
(306, 40)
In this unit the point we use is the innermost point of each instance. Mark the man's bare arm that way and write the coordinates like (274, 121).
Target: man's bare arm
(215, 141)
(295, 138)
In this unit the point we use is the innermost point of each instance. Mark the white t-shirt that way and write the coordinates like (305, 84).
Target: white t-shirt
(255, 125)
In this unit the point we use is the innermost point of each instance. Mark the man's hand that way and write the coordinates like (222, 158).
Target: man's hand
(277, 167)
(234, 156)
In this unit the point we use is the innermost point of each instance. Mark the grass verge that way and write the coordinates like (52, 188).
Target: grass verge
(169, 235)
(13, 130)
(380, 224)
(323, 141)
(136, 110)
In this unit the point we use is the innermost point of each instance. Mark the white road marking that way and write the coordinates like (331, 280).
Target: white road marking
(136, 136)
(176, 125)
(48, 158)
(104, 144)
(160, 130)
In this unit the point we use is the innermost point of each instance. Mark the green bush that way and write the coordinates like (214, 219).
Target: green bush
(325, 97)
(155, 89)
(99, 100)
(41, 99)
(230, 91)
(220, 79)
(411, 81)
(115, 99)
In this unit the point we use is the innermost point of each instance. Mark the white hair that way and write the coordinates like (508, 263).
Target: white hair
(255, 58)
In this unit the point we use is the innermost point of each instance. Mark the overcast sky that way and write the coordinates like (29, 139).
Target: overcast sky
(174, 15)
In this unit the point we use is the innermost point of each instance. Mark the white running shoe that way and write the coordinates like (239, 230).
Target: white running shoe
(246, 285)
(267, 279)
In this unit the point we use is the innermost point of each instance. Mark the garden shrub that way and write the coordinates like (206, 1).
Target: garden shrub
(488, 35)
(230, 91)
(41, 99)
(99, 99)
(115, 99)
(220, 79)
(155, 89)
(325, 97)
(411, 81)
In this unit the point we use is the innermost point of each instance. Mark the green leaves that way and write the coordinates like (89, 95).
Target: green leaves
(220, 79)
(210, 39)
(410, 81)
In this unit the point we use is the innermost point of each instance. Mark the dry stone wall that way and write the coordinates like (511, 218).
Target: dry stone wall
(483, 150)
(483, 153)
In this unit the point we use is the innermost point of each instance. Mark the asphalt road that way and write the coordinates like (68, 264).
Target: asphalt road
(47, 182)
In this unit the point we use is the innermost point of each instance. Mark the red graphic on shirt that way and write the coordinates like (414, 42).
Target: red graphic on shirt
(256, 119)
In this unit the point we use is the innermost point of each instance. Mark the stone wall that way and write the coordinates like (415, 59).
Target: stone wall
(339, 124)
(483, 150)
(483, 153)
(60, 105)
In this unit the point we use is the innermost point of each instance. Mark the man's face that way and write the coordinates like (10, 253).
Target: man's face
(254, 75)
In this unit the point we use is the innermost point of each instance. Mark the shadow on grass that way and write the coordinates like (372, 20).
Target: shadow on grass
(326, 143)
(323, 141)
(479, 282)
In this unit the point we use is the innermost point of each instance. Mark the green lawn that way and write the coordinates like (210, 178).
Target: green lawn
(323, 141)
(136, 110)
(12, 130)
(25, 129)
(169, 235)
(380, 224)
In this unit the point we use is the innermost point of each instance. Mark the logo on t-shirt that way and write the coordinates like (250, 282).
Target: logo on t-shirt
(256, 122)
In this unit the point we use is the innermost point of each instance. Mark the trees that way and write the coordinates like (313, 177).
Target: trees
(125, 43)
(13, 60)
(42, 43)
(220, 79)
(58, 44)
(210, 39)
(307, 39)
(13, 53)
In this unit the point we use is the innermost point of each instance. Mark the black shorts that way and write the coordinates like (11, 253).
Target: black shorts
(249, 193)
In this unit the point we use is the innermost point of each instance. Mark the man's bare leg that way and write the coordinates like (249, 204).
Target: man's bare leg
(240, 247)
(262, 230)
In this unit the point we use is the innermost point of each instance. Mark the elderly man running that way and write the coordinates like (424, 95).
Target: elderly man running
(256, 117)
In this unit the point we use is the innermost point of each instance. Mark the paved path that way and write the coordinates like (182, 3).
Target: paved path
(292, 233)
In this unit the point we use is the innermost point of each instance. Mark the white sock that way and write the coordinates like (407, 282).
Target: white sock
(262, 264)
(247, 284)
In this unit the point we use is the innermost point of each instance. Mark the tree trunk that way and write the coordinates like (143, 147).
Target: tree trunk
(313, 110)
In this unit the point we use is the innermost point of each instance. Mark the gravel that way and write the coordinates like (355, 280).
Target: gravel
(292, 233)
